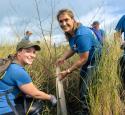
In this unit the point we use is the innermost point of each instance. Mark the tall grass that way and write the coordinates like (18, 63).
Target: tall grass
(106, 85)
(104, 88)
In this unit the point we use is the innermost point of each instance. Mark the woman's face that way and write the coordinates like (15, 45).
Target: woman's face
(26, 56)
(66, 22)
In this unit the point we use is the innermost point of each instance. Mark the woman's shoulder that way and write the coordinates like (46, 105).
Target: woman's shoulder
(16, 71)
(81, 30)
(15, 68)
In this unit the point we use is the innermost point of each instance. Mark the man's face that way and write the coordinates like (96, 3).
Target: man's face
(26, 56)
(66, 22)
(96, 26)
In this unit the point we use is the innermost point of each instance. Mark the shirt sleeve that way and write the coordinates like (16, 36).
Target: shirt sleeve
(21, 77)
(83, 43)
(103, 33)
(120, 24)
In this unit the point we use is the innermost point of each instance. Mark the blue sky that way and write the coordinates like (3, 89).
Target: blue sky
(16, 16)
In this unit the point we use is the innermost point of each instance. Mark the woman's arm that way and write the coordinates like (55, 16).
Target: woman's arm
(82, 60)
(31, 90)
(66, 55)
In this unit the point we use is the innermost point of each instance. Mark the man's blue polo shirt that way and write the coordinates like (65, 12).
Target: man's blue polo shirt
(100, 34)
(26, 37)
(84, 40)
(15, 76)
(120, 27)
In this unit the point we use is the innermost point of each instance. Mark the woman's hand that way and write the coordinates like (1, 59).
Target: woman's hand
(59, 62)
(63, 74)
(53, 100)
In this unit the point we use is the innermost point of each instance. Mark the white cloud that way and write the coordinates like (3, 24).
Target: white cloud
(16, 17)
(104, 15)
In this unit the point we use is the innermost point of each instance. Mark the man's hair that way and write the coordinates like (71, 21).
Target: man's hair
(63, 11)
(95, 23)
(28, 32)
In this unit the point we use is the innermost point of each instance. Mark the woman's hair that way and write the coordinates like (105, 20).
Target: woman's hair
(67, 11)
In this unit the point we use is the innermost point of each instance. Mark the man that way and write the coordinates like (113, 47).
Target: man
(100, 34)
(18, 79)
(120, 28)
(83, 42)
(27, 35)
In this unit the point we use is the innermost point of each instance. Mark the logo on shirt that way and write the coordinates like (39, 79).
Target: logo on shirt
(74, 46)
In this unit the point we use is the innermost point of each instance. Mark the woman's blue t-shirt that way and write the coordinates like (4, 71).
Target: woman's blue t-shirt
(15, 76)
(84, 40)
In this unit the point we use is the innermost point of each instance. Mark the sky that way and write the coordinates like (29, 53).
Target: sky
(39, 16)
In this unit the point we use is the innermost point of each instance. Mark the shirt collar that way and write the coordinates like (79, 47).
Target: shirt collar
(76, 26)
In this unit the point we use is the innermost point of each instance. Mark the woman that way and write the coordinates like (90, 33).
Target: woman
(83, 42)
(18, 79)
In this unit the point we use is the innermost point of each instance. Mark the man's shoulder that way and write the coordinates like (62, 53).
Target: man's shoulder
(101, 30)
(123, 17)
